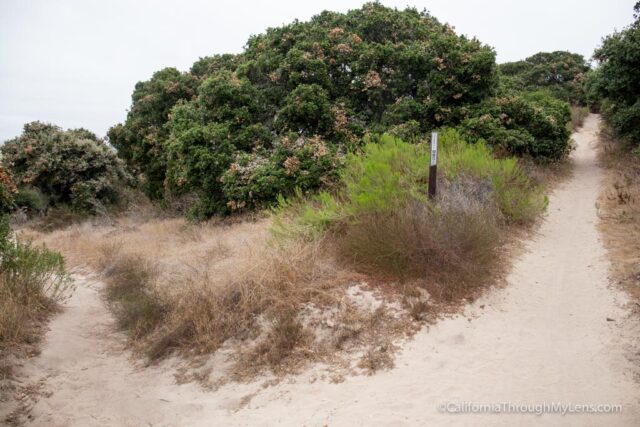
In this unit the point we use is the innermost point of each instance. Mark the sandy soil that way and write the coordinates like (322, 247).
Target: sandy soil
(557, 333)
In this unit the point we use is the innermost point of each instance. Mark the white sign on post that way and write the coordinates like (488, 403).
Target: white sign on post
(434, 148)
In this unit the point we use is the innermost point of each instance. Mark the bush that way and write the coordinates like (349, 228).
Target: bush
(32, 200)
(335, 77)
(70, 168)
(518, 198)
(383, 220)
(255, 180)
(615, 85)
(561, 73)
(132, 297)
(32, 281)
(533, 124)
(140, 140)
(307, 111)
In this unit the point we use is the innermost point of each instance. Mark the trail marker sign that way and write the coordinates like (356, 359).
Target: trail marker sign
(433, 168)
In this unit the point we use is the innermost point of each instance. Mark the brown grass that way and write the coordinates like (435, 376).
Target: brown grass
(619, 208)
(32, 283)
(578, 115)
(192, 289)
(451, 249)
(176, 287)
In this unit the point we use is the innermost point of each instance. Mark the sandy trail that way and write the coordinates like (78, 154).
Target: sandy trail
(544, 338)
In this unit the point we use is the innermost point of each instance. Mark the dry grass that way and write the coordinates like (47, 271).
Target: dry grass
(619, 208)
(190, 289)
(578, 115)
(451, 250)
(33, 282)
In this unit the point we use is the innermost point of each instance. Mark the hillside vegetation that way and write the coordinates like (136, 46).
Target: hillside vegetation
(561, 73)
(33, 281)
(325, 123)
(236, 131)
(57, 169)
(614, 86)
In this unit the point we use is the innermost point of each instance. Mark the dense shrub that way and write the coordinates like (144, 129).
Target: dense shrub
(304, 163)
(391, 174)
(532, 124)
(237, 130)
(333, 79)
(561, 73)
(615, 84)
(140, 140)
(382, 220)
(70, 168)
(31, 200)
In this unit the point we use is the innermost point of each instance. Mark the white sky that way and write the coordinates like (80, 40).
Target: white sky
(75, 62)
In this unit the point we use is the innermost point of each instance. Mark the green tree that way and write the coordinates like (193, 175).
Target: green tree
(616, 82)
(140, 140)
(282, 114)
(560, 72)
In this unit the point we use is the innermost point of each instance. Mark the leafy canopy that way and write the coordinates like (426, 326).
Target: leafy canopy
(561, 73)
(616, 82)
(323, 83)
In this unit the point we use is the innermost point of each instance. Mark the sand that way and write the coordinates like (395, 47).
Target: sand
(557, 333)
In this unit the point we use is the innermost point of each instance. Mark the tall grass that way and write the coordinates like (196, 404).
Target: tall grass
(199, 313)
(578, 114)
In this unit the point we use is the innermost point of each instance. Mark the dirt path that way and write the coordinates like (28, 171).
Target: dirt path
(545, 338)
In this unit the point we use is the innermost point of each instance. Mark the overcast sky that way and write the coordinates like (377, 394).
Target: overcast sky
(75, 62)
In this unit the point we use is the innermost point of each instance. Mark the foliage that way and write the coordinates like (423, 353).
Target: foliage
(71, 167)
(7, 191)
(381, 219)
(561, 73)
(391, 174)
(616, 82)
(140, 140)
(333, 78)
(305, 163)
(32, 281)
(517, 197)
(32, 200)
(532, 124)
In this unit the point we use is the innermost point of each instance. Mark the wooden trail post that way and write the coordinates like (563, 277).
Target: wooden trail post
(433, 168)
